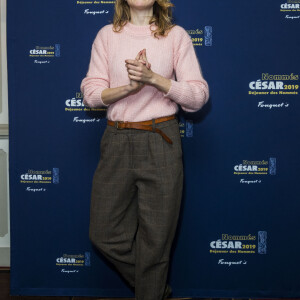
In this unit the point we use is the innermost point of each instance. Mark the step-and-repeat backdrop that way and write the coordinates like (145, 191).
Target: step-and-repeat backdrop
(238, 230)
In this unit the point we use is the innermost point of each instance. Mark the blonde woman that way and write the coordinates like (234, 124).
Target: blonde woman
(137, 185)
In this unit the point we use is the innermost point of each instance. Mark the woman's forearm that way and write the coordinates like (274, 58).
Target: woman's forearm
(111, 95)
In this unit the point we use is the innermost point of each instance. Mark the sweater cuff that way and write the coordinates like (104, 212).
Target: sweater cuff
(175, 91)
(95, 100)
(100, 98)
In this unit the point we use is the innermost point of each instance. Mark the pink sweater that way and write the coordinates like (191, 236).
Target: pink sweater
(174, 54)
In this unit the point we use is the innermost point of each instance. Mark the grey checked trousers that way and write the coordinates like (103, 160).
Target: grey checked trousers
(135, 204)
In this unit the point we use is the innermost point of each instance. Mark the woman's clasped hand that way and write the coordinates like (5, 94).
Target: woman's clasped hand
(139, 70)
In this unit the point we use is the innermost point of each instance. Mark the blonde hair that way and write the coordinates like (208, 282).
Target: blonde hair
(162, 16)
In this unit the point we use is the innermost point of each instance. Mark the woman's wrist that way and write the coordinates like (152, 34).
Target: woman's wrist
(130, 89)
(134, 87)
(161, 83)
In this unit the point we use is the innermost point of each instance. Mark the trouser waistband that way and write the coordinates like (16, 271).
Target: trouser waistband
(144, 125)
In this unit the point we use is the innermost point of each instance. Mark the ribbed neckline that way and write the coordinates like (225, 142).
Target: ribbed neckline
(139, 30)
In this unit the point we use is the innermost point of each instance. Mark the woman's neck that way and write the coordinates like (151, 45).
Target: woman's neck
(140, 17)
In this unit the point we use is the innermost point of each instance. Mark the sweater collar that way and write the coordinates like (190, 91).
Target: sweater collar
(139, 30)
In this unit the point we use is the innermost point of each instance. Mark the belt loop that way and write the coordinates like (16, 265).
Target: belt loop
(153, 125)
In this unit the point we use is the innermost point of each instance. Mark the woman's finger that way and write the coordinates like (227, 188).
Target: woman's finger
(144, 56)
(142, 61)
(135, 73)
(133, 77)
(138, 55)
(134, 67)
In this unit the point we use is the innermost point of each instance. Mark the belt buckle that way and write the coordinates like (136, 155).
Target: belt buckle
(117, 123)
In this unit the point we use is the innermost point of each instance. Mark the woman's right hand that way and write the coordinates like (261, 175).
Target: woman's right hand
(137, 85)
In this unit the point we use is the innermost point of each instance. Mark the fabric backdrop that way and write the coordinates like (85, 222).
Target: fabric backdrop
(237, 234)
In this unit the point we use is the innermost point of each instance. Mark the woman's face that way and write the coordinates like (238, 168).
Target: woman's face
(140, 4)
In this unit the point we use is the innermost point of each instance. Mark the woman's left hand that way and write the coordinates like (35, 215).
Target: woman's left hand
(140, 70)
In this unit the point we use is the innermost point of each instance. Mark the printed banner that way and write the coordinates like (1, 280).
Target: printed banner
(239, 221)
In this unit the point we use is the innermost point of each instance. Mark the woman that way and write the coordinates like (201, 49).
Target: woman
(137, 185)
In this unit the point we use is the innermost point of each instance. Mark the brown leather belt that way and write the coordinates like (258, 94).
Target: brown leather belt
(143, 125)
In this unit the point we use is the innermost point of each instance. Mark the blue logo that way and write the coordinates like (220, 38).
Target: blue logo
(208, 35)
(55, 175)
(262, 242)
(272, 166)
(57, 50)
(189, 128)
(87, 260)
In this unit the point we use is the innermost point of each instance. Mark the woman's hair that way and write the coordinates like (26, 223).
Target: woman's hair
(162, 16)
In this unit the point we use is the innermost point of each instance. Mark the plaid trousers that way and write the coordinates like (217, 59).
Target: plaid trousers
(135, 203)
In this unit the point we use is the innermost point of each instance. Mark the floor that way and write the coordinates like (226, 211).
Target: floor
(4, 293)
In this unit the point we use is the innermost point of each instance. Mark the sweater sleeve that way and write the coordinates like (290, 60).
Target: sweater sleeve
(191, 90)
(97, 78)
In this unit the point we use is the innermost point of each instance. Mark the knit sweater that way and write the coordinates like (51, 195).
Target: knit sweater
(170, 56)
